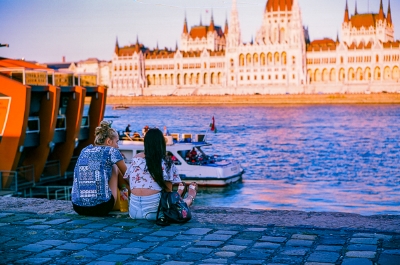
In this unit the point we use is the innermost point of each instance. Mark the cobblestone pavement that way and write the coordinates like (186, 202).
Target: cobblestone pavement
(36, 231)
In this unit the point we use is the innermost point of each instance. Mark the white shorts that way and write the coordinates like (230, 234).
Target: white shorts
(144, 207)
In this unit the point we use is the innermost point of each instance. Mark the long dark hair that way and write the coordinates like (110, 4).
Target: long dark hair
(155, 151)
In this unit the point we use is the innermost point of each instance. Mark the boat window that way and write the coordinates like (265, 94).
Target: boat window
(183, 153)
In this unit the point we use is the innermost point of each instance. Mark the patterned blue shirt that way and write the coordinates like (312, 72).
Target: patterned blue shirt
(92, 173)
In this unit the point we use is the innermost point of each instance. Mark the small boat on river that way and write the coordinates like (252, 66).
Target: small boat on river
(120, 107)
(204, 169)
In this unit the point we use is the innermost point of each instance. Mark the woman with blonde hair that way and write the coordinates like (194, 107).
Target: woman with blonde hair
(98, 173)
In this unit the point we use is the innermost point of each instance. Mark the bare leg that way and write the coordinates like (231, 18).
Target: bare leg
(113, 183)
(192, 192)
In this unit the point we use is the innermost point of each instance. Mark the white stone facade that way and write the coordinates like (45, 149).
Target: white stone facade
(280, 60)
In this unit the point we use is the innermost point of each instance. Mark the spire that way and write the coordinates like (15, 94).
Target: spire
(137, 46)
(337, 38)
(381, 15)
(355, 9)
(389, 15)
(346, 14)
(185, 28)
(211, 28)
(176, 46)
(201, 22)
(226, 30)
(116, 50)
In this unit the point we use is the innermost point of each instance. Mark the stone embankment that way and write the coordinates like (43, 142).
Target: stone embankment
(39, 231)
(382, 98)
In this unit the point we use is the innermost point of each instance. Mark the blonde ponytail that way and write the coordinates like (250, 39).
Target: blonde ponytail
(103, 132)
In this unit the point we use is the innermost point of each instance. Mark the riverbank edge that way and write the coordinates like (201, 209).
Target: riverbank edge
(302, 99)
(231, 216)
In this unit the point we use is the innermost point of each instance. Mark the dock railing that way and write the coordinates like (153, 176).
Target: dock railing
(18, 181)
(51, 171)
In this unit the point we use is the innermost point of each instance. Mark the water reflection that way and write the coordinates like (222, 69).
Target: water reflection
(312, 158)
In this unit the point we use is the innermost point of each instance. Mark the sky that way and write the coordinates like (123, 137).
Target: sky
(46, 30)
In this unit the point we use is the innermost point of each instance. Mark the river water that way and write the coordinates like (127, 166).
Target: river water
(341, 158)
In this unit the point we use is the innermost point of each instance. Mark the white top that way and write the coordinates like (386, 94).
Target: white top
(140, 178)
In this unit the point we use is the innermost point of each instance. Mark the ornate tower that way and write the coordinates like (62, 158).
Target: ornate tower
(234, 38)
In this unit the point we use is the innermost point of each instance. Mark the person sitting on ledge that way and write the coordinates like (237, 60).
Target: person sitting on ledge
(98, 173)
(149, 173)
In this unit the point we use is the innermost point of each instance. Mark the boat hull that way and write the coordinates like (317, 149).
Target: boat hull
(211, 181)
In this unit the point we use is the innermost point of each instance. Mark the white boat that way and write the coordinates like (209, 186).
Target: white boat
(204, 169)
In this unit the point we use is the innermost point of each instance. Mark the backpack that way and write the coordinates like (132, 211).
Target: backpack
(172, 209)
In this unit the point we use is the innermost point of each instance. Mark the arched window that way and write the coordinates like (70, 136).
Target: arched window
(317, 75)
(262, 56)
(359, 75)
(248, 59)
(241, 59)
(367, 74)
(197, 78)
(212, 78)
(333, 75)
(232, 63)
(219, 78)
(395, 73)
(185, 79)
(341, 74)
(284, 58)
(310, 75)
(351, 75)
(255, 59)
(276, 55)
(191, 80)
(148, 80)
(269, 58)
(205, 79)
(282, 36)
(325, 75)
(172, 79)
(178, 77)
(377, 58)
(377, 73)
(387, 73)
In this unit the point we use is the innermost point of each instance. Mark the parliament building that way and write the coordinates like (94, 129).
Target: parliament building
(213, 60)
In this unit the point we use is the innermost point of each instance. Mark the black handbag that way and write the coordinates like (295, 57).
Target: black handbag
(172, 209)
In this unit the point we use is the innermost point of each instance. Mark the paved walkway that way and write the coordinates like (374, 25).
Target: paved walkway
(36, 231)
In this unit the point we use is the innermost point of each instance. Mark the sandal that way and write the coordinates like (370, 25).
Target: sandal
(182, 188)
(192, 188)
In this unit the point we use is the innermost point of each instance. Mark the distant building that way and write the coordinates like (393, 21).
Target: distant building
(280, 60)
(92, 66)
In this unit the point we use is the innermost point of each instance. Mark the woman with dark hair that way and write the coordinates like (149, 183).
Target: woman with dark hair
(149, 173)
(97, 174)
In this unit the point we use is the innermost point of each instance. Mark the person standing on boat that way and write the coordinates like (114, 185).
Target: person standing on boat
(166, 132)
(127, 129)
(149, 173)
(98, 173)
